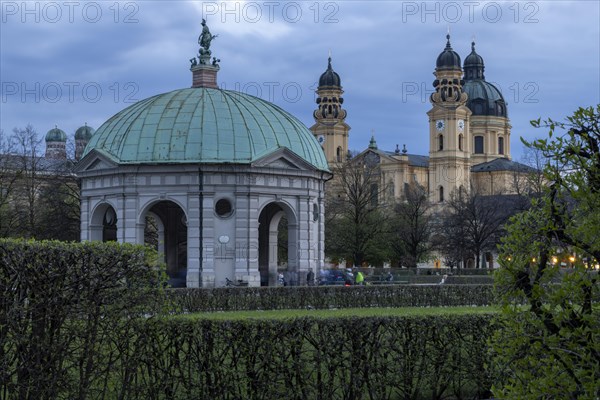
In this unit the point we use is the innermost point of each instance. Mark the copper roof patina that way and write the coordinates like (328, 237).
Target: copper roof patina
(203, 125)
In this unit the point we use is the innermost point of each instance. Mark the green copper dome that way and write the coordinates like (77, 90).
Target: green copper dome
(84, 133)
(56, 135)
(203, 125)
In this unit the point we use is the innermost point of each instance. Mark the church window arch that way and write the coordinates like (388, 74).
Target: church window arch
(478, 144)
(338, 154)
(460, 142)
(500, 145)
(440, 142)
(441, 194)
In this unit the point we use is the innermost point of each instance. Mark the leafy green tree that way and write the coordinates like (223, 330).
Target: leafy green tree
(548, 343)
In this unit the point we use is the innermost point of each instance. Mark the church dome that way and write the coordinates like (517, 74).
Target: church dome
(484, 98)
(330, 77)
(56, 135)
(203, 125)
(448, 59)
(84, 133)
(473, 66)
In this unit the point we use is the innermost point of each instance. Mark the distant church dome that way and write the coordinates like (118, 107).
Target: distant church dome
(56, 135)
(84, 133)
(448, 59)
(203, 125)
(330, 77)
(484, 98)
(473, 66)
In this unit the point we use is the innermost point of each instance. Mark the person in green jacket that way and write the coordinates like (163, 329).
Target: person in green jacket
(360, 279)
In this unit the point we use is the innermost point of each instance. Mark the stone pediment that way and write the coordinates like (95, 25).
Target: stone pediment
(94, 161)
(281, 163)
(283, 158)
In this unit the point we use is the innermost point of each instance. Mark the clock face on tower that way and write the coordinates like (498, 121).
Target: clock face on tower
(461, 125)
(439, 125)
(321, 139)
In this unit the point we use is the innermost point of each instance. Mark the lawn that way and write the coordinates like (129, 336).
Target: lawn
(341, 313)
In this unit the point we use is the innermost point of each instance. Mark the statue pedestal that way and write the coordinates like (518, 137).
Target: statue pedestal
(205, 75)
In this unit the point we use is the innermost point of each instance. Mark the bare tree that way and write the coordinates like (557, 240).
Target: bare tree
(412, 226)
(528, 181)
(39, 196)
(8, 177)
(27, 147)
(472, 224)
(356, 222)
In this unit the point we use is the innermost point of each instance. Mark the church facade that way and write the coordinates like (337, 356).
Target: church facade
(469, 134)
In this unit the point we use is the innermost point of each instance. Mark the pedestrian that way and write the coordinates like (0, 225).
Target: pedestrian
(360, 279)
(310, 277)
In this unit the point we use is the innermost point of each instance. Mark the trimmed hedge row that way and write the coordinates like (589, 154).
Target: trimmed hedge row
(304, 358)
(325, 297)
(435, 279)
(60, 306)
(75, 324)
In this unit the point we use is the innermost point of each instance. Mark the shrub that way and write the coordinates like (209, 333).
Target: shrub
(60, 304)
(324, 297)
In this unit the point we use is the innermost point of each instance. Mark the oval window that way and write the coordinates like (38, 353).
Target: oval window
(223, 208)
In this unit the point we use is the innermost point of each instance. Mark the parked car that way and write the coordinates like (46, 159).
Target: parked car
(335, 277)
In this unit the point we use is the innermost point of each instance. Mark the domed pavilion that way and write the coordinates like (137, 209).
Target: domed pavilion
(224, 184)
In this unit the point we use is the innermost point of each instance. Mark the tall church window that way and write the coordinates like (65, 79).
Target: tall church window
(441, 142)
(374, 194)
(460, 142)
(500, 145)
(478, 144)
(338, 154)
(441, 194)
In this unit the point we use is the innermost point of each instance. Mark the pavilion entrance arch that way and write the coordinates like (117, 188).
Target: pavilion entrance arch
(163, 225)
(278, 244)
(103, 224)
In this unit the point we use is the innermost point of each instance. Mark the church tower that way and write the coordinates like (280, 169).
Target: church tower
(330, 127)
(490, 127)
(82, 137)
(56, 142)
(449, 129)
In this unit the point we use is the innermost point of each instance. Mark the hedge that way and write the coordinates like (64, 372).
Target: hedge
(427, 357)
(86, 321)
(61, 304)
(324, 297)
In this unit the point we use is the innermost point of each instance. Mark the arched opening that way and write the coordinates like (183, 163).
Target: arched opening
(103, 224)
(109, 225)
(440, 142)
(165, 229)
(339, 154)
(500, 145)
(460, 142)
(277, 245)
(441, 194)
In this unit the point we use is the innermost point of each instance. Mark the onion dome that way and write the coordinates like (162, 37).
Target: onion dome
(473, 66)
(84, 133)
(56, 135)
(330, 77)
(373, 143)
(448, 59)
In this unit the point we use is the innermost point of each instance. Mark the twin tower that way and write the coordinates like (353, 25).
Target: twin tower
(468, 127)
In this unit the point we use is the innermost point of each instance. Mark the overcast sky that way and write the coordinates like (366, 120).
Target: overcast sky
(67, 63)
